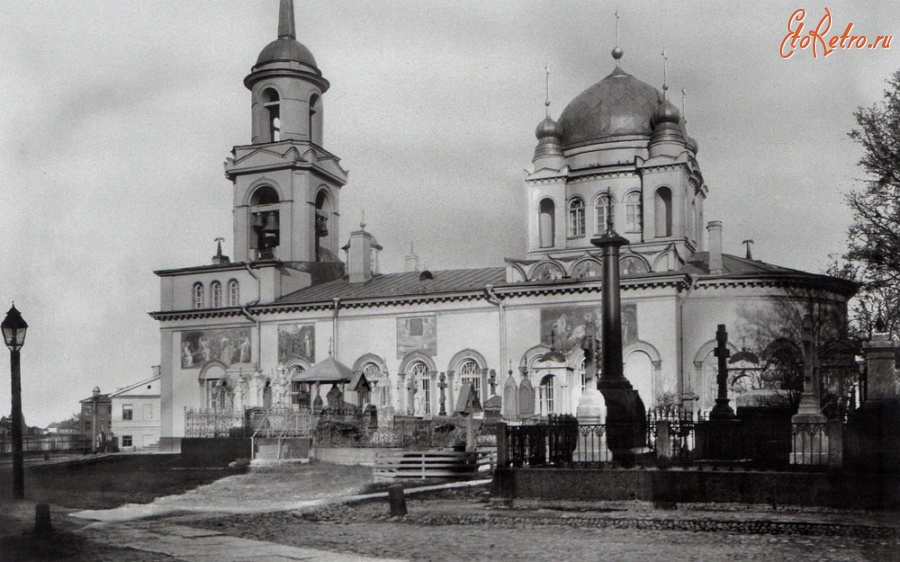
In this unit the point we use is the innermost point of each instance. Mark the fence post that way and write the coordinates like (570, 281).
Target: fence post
(835, 432)
(502, 446)
(663, 441)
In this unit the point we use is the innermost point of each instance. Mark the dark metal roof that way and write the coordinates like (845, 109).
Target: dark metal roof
(400, 284)
(620, 104)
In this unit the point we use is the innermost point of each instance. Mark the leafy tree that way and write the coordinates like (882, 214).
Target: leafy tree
(873, 256)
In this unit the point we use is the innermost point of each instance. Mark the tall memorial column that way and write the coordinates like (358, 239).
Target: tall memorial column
(626, 419)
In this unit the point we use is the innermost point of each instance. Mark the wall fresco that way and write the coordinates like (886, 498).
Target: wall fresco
(296, 341)
(418, 333)
(562, 328)
(228, 345)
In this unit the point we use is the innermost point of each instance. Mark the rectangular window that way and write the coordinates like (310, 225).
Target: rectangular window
(86, 409)
(127, 441)
(127, 412)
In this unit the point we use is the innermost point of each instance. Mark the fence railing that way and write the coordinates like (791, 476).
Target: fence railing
(48, 444)
(210, 423)
(680, 442)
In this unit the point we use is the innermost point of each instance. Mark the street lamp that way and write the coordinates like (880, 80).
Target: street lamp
(96, 397)
(14, 327)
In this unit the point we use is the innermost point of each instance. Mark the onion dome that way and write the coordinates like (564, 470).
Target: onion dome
(665, 113)
(692, 145)
(548, 128)
(286, 48)
(619, 105)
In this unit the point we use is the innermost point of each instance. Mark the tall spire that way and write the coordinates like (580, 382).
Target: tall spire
(286, 20)
(683, 102)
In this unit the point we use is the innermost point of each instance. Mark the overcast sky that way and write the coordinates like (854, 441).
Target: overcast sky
(115, 118)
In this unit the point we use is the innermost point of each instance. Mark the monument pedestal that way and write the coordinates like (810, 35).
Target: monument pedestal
(591, 413)
(626, 423)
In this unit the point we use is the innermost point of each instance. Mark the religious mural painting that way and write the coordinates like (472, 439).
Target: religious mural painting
(296, 341)
(417, 333)
(563, 328)
(228, 345)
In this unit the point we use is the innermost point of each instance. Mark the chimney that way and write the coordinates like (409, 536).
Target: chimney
(715, 247)
(359, 255)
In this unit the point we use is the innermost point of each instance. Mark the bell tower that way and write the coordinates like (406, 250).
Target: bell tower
(286, 185)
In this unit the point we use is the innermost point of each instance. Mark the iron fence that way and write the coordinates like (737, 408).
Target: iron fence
(679, 441)
(211, 423)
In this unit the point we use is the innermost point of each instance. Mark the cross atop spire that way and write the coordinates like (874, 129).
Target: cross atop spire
(547, 101)
(286, 20)
(665, 75)
(683, 102)
(617, 50)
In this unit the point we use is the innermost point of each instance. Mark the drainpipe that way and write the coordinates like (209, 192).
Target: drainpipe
(334, 328)
(495, 300)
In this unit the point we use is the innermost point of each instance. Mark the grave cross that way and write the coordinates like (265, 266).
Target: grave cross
(722, 410)
(442, 384)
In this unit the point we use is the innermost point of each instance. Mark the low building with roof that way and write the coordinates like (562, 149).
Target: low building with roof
(262, 329)
(136, 414)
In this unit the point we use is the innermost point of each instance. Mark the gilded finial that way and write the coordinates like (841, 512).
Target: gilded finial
(617, 50)
(362, 220)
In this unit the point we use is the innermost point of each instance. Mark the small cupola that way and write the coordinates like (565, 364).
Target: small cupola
(548, 153)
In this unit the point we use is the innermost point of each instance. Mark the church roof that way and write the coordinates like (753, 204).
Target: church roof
(400, 284)
(618, 105)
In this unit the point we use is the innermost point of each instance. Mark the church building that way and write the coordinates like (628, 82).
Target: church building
(297, 319)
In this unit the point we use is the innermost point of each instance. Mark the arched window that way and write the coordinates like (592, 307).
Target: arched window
(547, 223)
(663, 212)
(198, 295)
(234, 293)
(265, 221)
(419, 373)
(272, 103)
(576, 217)
(315, 133)
(469, 372)
(603, 212)
(545, 392)
(633, 212)
(215, 294)
(379, 382)
(323, 214)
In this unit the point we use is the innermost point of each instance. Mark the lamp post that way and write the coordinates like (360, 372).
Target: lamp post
(14, 327)
(95, 398)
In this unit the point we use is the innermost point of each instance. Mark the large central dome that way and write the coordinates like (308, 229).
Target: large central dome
(618, 105)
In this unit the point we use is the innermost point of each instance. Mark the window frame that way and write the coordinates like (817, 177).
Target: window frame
(575, 214)
(634, 220)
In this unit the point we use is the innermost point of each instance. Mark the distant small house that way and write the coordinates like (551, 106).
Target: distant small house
(68, 427)
(104, 413)
(136, 415)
